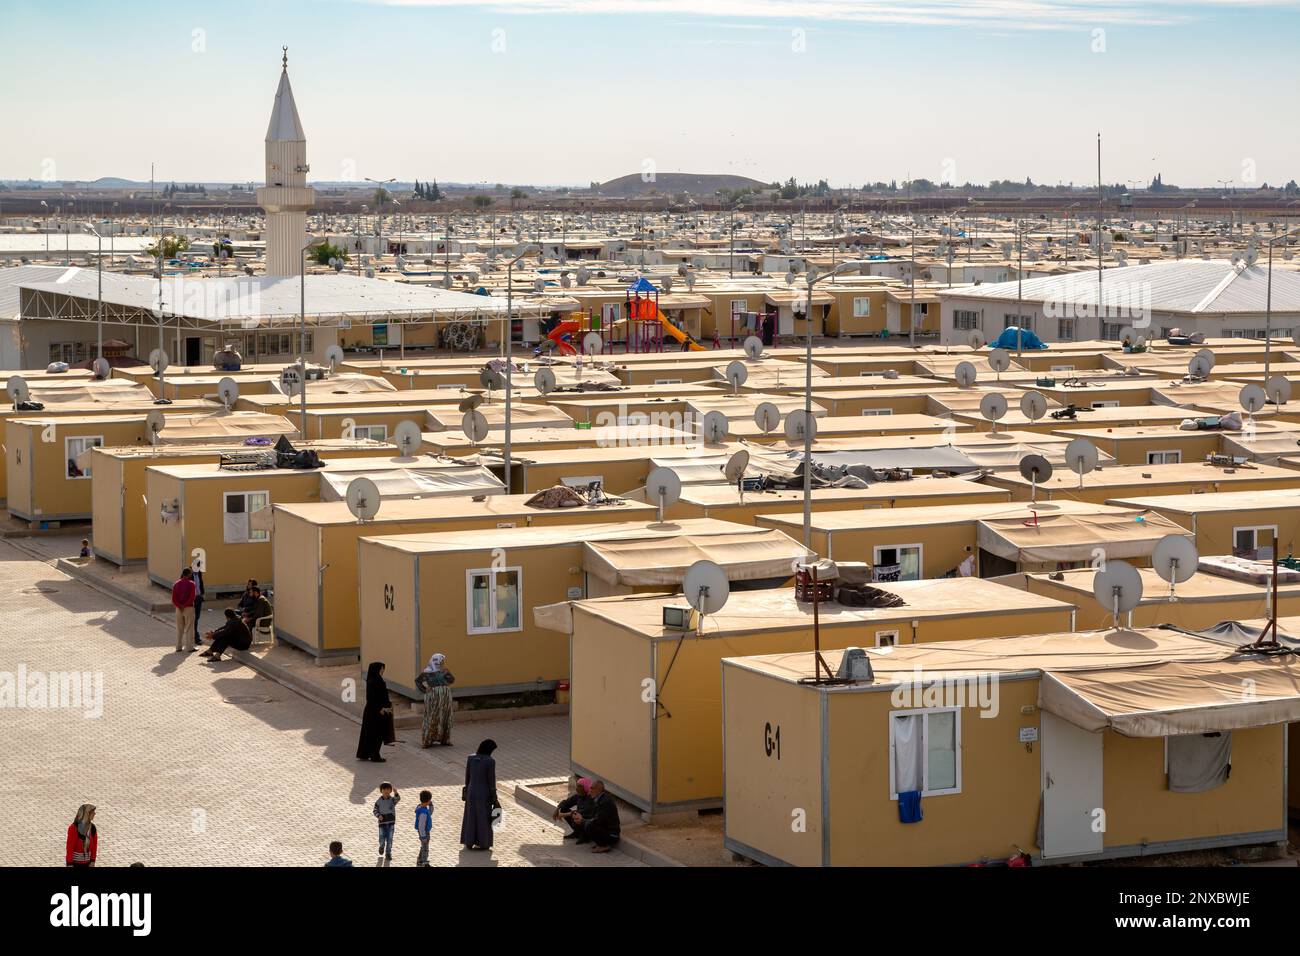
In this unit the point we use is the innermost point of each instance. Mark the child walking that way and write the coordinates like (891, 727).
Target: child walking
(386, 814)
(423, 823)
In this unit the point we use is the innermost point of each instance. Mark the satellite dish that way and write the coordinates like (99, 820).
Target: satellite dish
(158, 361)
(714, 427)
(154, 423)
(545, 381)
(475, 425)
(735, 467)
(664, 488)
(228, 391)
(1033, 405)
(490, 379)
(800, 425)
(1175, 560)
(1198, 367)
(1081, 457)
(993, 406)
(363, 499)
(334, 355)
(1206, 356)
(470, 402)
(1128, 336)
(976, 339)
(1253, 398)
(592, 344)
(753, 347)
(17, 389)
(1278, 389)
(767, 416)
(407, 437)
(965, 373)
(101, 368)
(706, 587)
(1035, 469)
(1118, 588)
(999, 360)
(736, 375)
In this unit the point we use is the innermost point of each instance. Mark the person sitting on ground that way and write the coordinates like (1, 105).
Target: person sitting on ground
(234, 633)
(603, 826)
(85, 547)
(258, 609)
(579, 804)
(336, 855)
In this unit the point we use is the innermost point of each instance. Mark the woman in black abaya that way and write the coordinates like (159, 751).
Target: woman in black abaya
(480, 796)
(377, 718)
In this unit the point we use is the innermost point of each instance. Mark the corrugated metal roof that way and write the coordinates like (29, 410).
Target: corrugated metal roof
(1186, 285)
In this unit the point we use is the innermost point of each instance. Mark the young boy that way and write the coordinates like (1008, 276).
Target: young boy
(85, 547)
(336, 855)
(386, 814)
(423, 822)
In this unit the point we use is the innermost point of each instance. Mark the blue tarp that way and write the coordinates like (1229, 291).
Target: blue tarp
(641, 285)
(1007, 340)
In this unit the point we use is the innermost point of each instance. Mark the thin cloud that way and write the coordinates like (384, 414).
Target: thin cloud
(1006, 14)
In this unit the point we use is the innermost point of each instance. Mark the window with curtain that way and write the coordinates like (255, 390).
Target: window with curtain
(74, 448)
(898, 562)
(495, 600)
(925, 752)
(237, 508)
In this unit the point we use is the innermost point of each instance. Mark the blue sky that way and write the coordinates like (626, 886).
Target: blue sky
(567, 91)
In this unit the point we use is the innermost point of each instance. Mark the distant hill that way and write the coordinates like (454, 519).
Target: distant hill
(703, 185)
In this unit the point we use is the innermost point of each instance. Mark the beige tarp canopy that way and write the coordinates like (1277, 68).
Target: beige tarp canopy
(112, 392)
(744, 556)
(414, 482)
(183, 429)
(1005, 455)
(1182, 697)
(1074, 537)
(742, 406)
(521, 416)
(349, 382)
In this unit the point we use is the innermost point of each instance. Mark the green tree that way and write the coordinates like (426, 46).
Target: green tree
(171, 247)
(326, 251)
(482, 202)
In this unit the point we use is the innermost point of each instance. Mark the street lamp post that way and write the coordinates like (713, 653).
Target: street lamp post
(506, 343)
(99, 293)
(302, 331)
(812, 277)
(379, 203)
(1268, 299)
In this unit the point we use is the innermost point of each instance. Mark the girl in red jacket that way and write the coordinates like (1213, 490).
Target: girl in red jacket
(83, 838)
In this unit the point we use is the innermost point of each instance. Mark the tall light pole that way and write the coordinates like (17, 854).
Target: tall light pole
(812, 277)
(302, 330)
(1268, 299)
(379, 203)
(507, 343)
(99, 294)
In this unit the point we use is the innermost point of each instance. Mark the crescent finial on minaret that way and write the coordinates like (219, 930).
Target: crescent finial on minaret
(284, 62)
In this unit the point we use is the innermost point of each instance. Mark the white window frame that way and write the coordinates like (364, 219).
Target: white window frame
(1256, 528)
(668, 381)
(370, 432)
(266, 535)
(492, 573)
(925, 712)
(920, 308)
(68, 456)
(743, 307)
(862, 307)
(1104, 403)
(900, 548)
(1061, 368)
(965, 320)
(582, 481)
(1163, 456)
(877, 411)
(892, 637)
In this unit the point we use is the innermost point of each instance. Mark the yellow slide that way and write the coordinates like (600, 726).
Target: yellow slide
(678, 334)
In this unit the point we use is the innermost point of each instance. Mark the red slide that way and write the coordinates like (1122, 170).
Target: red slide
(557, 336)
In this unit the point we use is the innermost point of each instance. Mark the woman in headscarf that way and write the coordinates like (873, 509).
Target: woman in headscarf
(435, 682)
(83, 838)
(377, 718)
(480, 796)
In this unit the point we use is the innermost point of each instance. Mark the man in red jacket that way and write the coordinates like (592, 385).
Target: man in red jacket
(183, 592)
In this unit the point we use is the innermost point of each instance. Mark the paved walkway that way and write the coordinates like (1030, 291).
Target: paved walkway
(200, 765)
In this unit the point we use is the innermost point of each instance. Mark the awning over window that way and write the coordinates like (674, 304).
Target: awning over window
(746, 556)
(1047, 537)
(1182, 697)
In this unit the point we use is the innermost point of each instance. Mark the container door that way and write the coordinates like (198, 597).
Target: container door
(1071, 780)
